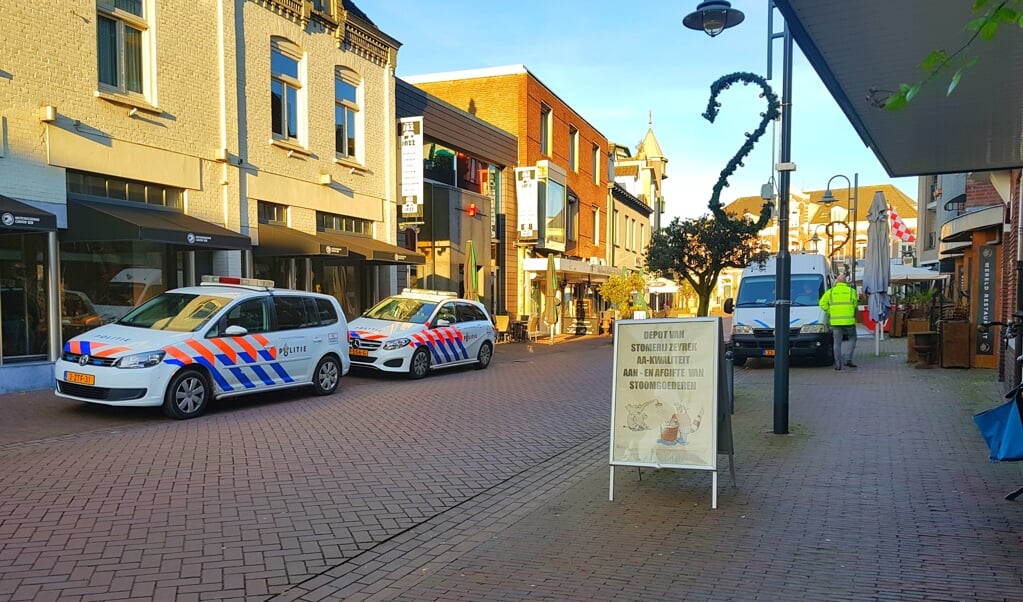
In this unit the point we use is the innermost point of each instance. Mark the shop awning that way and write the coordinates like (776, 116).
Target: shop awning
(93, 221)
(15, 215)
(288, 242)
(377, 251)
(864, 50)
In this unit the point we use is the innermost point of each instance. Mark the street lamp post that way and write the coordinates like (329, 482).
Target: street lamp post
(713, 17)
(853, 205)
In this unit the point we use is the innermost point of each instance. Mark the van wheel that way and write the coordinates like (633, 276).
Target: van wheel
(484, 356)
(420, 363)
(739, 361)
(187, 395)
(327, 375)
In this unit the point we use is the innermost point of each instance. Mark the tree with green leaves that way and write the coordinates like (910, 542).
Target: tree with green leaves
(989, 15)
(621, 291)
(697, 250)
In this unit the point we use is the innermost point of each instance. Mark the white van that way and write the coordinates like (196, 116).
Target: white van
(753, 310)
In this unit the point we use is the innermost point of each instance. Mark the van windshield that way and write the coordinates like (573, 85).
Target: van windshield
(176, 312)
(759, 291)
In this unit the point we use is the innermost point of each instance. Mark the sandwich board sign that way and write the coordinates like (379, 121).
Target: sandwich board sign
(669, 399)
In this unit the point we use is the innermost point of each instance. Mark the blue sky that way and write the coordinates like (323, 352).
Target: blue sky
(615, 62)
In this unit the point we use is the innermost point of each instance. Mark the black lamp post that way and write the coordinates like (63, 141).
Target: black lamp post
(713, 17)
(853, 209)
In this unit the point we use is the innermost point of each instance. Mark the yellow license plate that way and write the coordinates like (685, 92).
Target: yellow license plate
(769, 352)
(358, 352)
(78, 377)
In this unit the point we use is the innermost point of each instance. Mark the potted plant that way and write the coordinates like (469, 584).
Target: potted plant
(920, 303)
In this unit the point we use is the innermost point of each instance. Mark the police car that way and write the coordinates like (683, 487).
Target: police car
(422, 330)
(226, 337)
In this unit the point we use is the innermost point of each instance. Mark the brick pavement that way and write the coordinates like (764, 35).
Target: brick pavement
(456, 489)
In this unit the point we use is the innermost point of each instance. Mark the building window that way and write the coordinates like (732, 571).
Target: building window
(545, 129)
(332, 222)
(105, 187)
(596, 226)
(573, 149)
(272, 213)
(121, 31)
(596, 164)
(285, 88)
(346, 107)
(642, 238)
(616, 226)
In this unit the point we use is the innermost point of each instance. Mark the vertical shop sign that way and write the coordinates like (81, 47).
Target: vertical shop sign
(411, 166)
(528, 199)
(986, 299)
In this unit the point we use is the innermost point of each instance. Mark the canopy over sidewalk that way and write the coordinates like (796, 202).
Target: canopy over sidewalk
(901, 274)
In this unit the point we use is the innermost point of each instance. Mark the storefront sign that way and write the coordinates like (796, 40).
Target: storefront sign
(13, 220)
(665, 393)
(669, 404)
(411, 166)
(526, 190)
(198, 239)
(986, 299)
(336, 250)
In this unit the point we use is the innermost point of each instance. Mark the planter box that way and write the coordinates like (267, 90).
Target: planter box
(955, 343)
(915, 325)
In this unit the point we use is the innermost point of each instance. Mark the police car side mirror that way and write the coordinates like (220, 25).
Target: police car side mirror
(441, 322)
(235, 331)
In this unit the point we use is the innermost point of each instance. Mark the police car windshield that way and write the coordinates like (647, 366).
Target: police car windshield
(176, 312)
(402, 309)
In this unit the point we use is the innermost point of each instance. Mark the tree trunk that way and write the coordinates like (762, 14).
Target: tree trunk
(704, 307)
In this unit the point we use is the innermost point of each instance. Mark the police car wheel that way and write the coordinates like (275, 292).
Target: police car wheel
(484, 356)
(327, 375)
(187, 395)
(420, 363)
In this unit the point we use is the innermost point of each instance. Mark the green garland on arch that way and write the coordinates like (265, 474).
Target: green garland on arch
(741, 224)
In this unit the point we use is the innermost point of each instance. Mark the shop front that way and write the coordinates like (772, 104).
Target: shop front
(28, 250)
(578, 281)
(115, 255)
(344, 265)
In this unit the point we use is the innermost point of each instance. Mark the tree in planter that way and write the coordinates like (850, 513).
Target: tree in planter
(697, 250)
(620, 291)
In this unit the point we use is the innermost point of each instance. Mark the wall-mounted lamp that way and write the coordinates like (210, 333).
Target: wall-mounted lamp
(133, 112)
(326, 179)
(47, 113)
(291, 154)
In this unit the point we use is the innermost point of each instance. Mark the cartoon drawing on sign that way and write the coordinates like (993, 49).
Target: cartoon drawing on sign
(676, 428)
(637, 416)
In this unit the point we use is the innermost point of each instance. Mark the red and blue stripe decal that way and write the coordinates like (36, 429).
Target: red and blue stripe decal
(445, 343)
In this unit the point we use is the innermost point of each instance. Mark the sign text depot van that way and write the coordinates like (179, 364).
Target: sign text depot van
(753, 311)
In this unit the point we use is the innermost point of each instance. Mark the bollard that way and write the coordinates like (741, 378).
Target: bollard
(730, 380)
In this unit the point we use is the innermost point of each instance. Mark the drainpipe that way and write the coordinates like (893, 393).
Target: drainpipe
(1016, 376)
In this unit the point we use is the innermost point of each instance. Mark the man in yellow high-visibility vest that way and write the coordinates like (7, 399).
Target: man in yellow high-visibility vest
(840, 303)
